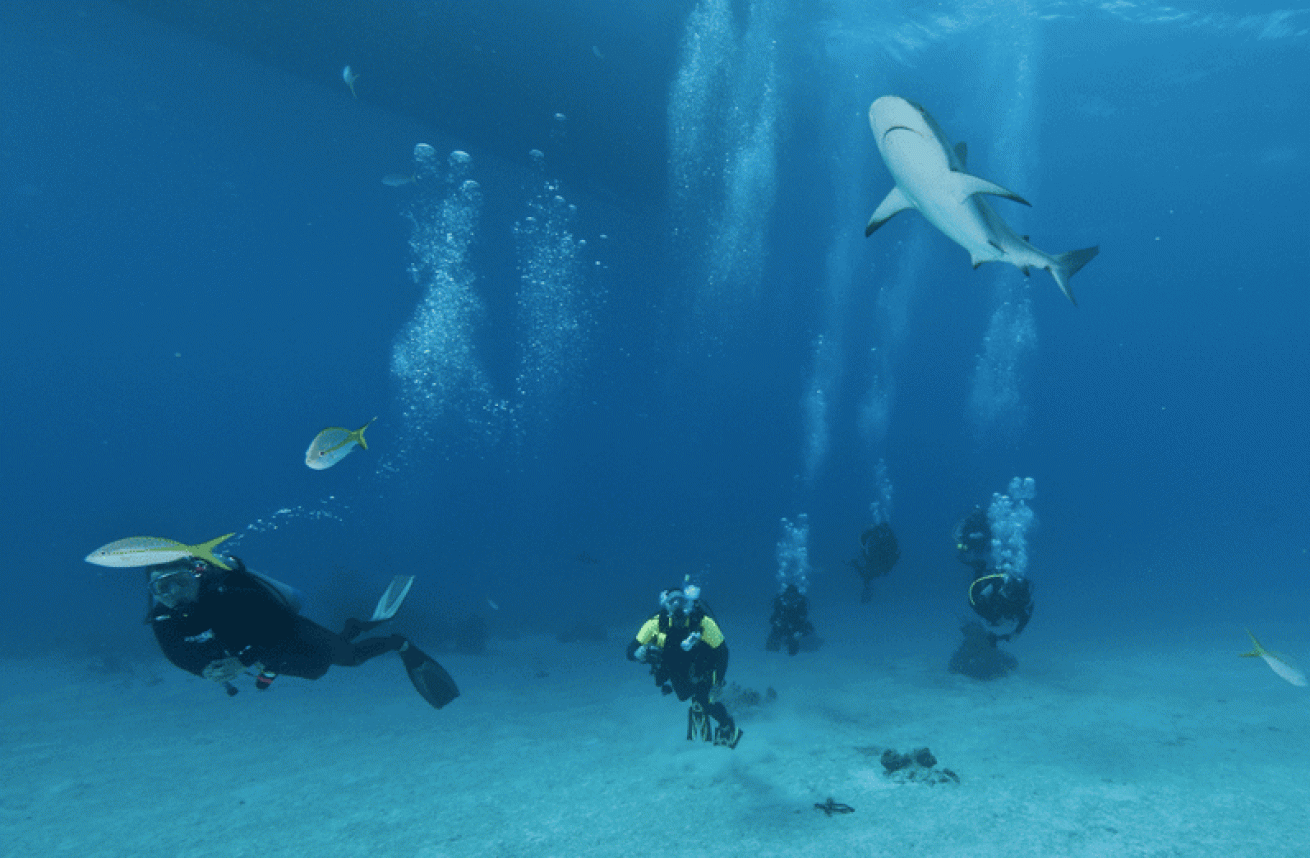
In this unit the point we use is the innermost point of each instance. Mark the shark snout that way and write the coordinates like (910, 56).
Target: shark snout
(889, 131)
(891, 113)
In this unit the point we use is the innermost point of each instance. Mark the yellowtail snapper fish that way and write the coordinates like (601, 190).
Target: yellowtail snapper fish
(137, 551)
(333, 444)
(1276, 662)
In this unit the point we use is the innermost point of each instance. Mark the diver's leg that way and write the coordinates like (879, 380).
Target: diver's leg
(727, 733)
(308, 651)
(348, 654)
(698, 723)
(681, 686)
(311, 649)
(430, 679)
(354, 628)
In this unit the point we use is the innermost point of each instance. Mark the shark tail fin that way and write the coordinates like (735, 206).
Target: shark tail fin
(1066, 265)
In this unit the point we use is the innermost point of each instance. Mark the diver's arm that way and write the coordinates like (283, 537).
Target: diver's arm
(712, 649)
(249, 621)
(645, 635)
(1023, 618)
(710, 662)
(192, 655)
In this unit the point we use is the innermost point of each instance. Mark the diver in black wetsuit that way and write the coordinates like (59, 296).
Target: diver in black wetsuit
(973, 541)
(790, 620)
(879, 552)
(217, 623)
(995, 596)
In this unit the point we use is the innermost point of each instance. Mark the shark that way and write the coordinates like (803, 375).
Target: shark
(932, 176)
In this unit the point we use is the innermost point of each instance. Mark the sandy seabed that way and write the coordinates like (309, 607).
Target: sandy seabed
(1161, 746)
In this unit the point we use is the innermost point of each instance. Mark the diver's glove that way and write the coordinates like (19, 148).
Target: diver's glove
(223, 670)
(690, 641)
(647, 653)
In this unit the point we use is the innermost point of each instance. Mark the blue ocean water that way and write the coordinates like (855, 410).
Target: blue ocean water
(636, 331)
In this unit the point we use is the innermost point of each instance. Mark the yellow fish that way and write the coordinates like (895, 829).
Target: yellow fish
(1277, 663)
(137, 551)
(333, 444)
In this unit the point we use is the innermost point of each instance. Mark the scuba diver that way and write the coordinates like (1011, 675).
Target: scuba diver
(789, 621)
(688, 657)
(998, 597)
(878, 554)
(973, 541)
(219, 619)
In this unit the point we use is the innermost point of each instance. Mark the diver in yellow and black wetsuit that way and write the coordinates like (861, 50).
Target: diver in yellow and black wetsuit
(688, 657)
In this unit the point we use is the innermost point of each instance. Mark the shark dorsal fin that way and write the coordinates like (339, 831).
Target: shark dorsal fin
(962, 153)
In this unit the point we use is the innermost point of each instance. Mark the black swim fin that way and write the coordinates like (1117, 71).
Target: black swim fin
(430, 679)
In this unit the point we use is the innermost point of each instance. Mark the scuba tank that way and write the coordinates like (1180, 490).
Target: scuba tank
(289, 597)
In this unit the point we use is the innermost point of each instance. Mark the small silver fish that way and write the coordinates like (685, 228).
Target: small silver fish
(349, 77)
(333, 444)
(137, 551)
(398, 180)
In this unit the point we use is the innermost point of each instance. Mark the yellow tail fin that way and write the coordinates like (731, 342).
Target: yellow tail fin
(359, 433)
(205, 550)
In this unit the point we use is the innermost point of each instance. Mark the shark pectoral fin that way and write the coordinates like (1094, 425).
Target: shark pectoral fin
(962, 153)
(891, 204)
(970, 185)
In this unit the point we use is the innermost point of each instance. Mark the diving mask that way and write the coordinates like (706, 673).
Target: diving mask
(175, 585)
(675, 602)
